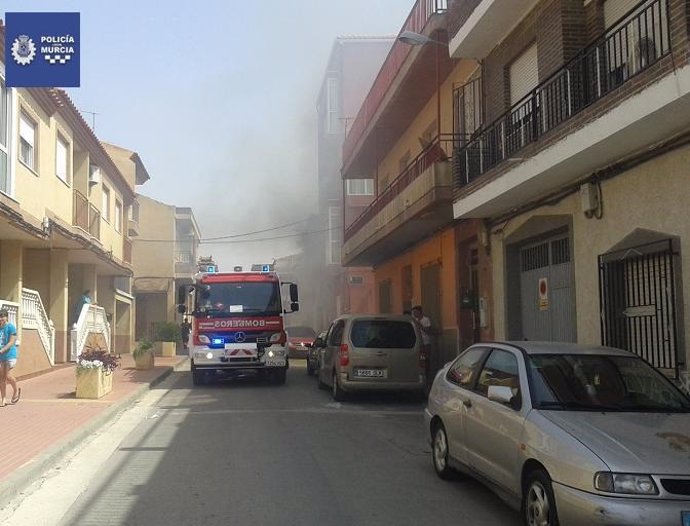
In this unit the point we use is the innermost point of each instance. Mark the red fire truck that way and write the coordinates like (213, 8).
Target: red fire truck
(238, 324)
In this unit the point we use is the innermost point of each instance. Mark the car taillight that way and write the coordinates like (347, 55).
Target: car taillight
(344, 354)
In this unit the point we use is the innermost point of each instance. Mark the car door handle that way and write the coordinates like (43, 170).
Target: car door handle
(467, 403)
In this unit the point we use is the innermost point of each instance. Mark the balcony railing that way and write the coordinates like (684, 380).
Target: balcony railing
(634, 43)
(85, 215)
(433, 153)
(416, 21)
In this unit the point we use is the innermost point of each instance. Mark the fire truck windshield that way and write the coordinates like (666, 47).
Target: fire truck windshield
(238, 299)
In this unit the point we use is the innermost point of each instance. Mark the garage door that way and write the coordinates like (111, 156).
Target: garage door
(547, 296)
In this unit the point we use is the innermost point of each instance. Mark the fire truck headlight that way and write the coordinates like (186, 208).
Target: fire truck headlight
(271, 354)
(204, 339)
(209, 356)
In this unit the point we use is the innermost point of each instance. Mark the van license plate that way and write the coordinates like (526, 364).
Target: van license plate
(685, 518)
(370, 373)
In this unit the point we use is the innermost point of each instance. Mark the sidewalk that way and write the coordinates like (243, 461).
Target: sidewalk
(49, 420)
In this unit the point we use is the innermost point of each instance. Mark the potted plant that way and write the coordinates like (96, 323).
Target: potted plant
(143, 355)
(167, 334)
(95, 369)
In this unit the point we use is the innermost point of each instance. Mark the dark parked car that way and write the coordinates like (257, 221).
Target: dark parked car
(313, 353)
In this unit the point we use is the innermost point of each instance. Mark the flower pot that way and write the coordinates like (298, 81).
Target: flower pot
(144, 362)
(93, 382)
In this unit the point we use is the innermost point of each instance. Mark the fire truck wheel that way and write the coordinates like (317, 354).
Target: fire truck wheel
(279, 376)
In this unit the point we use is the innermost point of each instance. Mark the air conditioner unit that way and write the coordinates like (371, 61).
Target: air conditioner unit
(94, 174)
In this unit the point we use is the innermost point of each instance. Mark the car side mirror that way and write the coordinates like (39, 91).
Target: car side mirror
(500, 393)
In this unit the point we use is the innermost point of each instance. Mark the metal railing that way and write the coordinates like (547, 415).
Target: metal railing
(416, 21)
(34, 316)
(433, 153)
(638, 40)
(92, 319)
(85, 215)
(12, 311)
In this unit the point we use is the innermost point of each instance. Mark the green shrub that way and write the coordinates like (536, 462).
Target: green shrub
(143, 347)
(166, 331)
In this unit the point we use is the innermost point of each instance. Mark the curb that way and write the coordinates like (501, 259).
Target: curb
(22, 478)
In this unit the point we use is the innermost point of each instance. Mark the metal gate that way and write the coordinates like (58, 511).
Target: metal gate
(638, 302)
(546, 291)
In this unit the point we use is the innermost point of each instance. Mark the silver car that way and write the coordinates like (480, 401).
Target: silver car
(569, 434)
(372, 352)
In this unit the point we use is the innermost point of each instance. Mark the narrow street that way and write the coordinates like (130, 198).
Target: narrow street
(246, 452)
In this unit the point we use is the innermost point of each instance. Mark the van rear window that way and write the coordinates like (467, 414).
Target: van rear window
(383, 334)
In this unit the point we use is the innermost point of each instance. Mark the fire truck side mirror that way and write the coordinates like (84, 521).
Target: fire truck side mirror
(294, 306)
(294, 296)
(181, 308)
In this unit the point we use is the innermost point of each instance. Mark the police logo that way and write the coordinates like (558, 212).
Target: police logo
(239, 337)
(23, 50)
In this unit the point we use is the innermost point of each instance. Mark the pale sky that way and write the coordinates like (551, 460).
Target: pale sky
(219, 99)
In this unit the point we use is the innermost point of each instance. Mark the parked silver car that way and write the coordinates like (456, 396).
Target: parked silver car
(569, 434)
(372, 352)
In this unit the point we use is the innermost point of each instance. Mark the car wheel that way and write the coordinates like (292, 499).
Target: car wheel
(538, 503)
(338, 393)
(439, 452)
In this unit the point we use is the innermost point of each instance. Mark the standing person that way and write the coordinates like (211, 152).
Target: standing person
(8, 358)
(185, 329)
(424, 324)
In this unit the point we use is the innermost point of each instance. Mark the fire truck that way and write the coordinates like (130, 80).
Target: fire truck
(238, 325)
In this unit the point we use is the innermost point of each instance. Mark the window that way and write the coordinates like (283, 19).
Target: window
(118, 216)
(332, 106)
(27, 141)
(464, 371)
(383, 334)
(106, 204)
(334, 227)
(4, 137)
(335, 335)
(500, 369)
(360, 187)
(61, 159)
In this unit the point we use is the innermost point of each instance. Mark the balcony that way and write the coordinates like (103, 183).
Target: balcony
(85, 215)
(417, 203)
(132, 227)
(399, 90)
(548, 140)
(484, 23)
(185, 264)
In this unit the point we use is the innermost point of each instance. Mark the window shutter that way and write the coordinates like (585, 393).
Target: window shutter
(61, 159)
(26, 130)
(524, 74)
(614, 10)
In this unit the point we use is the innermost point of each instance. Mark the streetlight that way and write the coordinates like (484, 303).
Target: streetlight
(412, 38)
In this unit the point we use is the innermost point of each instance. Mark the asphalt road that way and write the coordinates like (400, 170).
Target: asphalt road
(249, 453)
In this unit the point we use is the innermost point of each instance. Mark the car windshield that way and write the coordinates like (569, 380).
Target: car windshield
(383, 334)
(301, 332)
(602, 383)
(240, 299)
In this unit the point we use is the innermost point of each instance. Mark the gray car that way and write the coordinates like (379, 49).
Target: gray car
(372, 352)
(569, 434)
